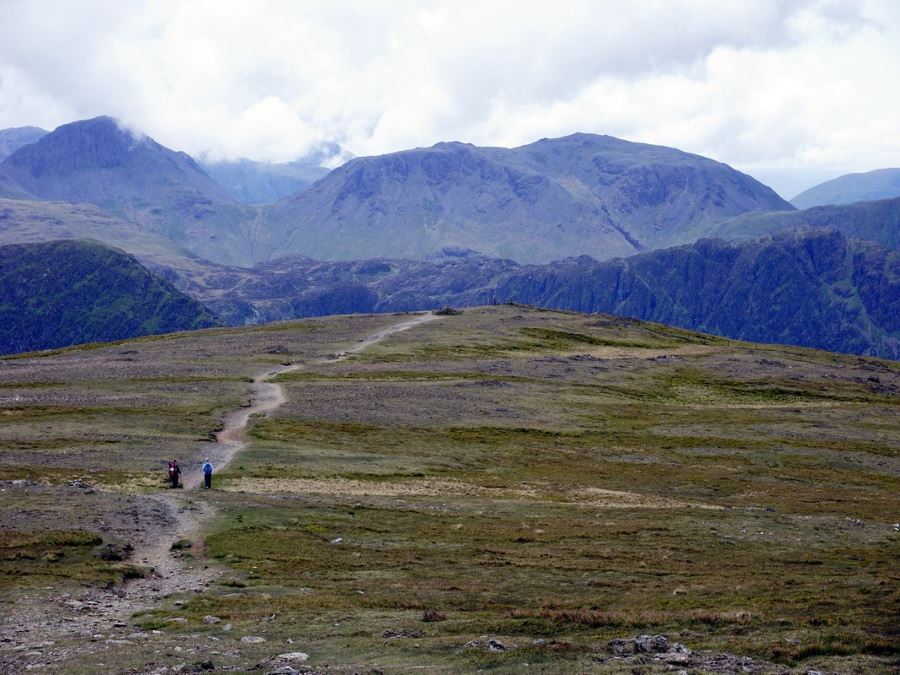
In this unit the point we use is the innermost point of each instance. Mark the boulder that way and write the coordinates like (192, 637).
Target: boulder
(294, 656)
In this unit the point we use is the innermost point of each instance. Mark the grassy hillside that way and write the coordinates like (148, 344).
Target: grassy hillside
(548, 480)
(68, 292)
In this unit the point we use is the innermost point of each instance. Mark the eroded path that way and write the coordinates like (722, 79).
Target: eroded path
(49, 635)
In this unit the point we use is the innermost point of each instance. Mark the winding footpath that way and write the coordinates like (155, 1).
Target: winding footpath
(265, 397)
(103, 615)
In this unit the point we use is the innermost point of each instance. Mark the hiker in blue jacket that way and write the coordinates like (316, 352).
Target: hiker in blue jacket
(207, 474)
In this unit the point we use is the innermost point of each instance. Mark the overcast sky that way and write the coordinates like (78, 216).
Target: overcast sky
(755, 83)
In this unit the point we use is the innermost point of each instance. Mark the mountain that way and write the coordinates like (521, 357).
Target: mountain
(14, 138)
(298, 287)
(877, 221)
(579, 194)
(259, 182)
(853, 187)
(813, 289)
(62, 293)
(132, 176)
(550, 199)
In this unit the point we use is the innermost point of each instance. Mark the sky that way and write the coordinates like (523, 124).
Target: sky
(759, 84)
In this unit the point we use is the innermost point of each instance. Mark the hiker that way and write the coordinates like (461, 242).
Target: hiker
(207, 474)
(174, 472)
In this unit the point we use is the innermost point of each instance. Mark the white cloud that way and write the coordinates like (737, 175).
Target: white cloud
(750, 82)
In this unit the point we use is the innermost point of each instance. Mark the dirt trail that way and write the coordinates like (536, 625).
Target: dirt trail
(55, 633)
(265, 396)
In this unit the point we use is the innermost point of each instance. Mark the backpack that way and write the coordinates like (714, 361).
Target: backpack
(171, 469)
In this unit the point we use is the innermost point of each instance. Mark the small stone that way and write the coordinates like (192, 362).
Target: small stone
(284, 670)
(294, 656)
(252, 639)
(227, 627)
(338, 540)
(211, 620)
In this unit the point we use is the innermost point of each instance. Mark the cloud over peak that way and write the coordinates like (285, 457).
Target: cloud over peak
(764, 82)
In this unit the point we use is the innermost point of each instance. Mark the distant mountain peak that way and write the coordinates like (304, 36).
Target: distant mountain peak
(16, 137)
(851, 188)
(101, 142)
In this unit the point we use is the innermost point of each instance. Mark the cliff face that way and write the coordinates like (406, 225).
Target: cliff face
(810, 288)
(814, 289)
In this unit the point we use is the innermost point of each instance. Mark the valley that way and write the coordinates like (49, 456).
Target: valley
(453, 224)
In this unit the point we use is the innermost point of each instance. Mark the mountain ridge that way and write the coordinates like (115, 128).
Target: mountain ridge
(615, 198)
(55, 294)
(850, 188)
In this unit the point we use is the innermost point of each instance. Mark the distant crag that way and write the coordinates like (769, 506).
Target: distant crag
(63, 293)
(812, 289)
(583, 193)
(876, 221)
(134, 177)
(14, 138)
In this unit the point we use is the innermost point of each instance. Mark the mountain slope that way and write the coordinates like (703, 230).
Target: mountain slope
(14, 138)
(877, 221)
(62, 293)
(854, 187)
(578, 194)
(30, 221)
(136, 178)
(814, 289)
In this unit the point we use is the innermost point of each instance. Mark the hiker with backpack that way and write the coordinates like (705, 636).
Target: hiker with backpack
(174, 472)
(207, 474)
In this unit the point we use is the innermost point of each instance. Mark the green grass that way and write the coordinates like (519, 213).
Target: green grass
(472, 468)
(33, 558)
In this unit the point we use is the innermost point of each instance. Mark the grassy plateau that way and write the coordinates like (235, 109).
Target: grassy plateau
(547, 480)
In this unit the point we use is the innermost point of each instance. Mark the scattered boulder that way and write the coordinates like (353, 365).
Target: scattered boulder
(642, 644)
(491, 644)
(447, 310)
(81, 485)
(394, 634)
(283, 670)
(640, 649)
(115, 552)
(252, 639)
(294, 656)
(211, 620)
(650, 644)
